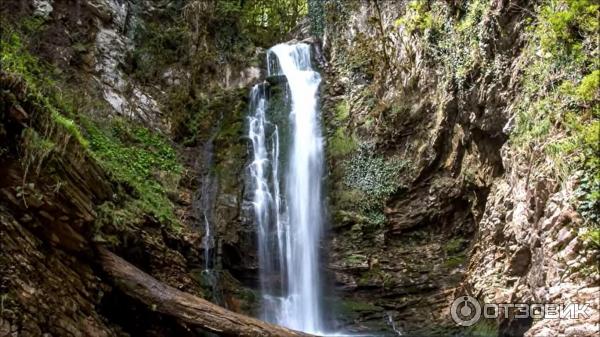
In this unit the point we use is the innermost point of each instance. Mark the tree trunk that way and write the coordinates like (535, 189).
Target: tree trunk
(190, 310)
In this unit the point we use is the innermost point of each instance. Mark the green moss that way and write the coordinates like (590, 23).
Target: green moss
(340, 144)
(590, 84)
(454, 250)
(70, 126)
(42, 86)
(455, 261)
(355, 259)
(140, 159)
(342, 112)
(354, 307)
(455, 245)
(563, 120)
(592, 237)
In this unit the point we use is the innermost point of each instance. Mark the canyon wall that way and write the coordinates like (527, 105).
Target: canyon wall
(461, 142)
(444, 180)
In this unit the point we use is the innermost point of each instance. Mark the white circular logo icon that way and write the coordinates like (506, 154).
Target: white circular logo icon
(465, 311)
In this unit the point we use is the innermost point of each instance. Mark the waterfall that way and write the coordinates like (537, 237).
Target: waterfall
(290, 223)
(263, 200)
(204, 205)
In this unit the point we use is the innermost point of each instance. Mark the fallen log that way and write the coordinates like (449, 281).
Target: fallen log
(187, 308)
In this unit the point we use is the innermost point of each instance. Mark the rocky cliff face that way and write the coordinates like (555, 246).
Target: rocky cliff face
(460, 136)
(431, 195)
(86, 162)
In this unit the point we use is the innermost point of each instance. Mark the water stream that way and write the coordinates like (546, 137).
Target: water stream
(289, 222)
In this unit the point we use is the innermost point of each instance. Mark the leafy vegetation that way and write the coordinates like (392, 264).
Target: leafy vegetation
(418, 17)
(563, 48)
(139, 158)
(160, 46)
(592, 237)
(204, 37)
(56, 125)
(316, 15)
(372, 175)
(40, 80)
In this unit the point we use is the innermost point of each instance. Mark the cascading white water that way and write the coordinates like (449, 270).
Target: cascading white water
(263, 201)
(290, 226)
(302, 310)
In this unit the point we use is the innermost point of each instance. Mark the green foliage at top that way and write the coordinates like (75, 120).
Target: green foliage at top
(198, 38)
(139, 158)
(229, 22)
(453, 42)
(272, 18)
(457, 45)
(341, 144)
